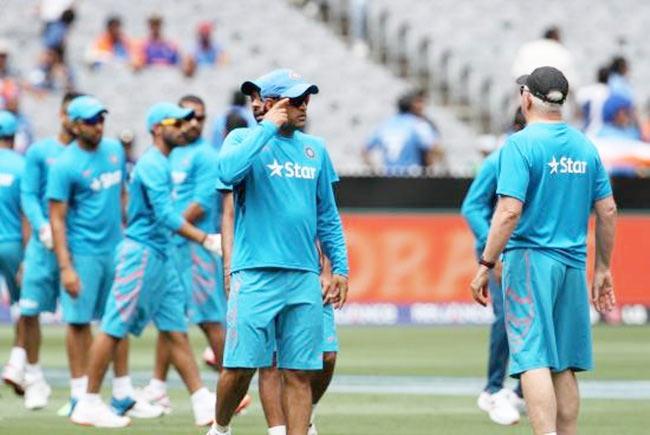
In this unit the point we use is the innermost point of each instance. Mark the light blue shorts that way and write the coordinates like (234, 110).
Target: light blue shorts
(546, 313)
(330, 340)
(41, 288)
(269, 307)
(96, 276)
(146, 287)
(11, 254)
(202, 277)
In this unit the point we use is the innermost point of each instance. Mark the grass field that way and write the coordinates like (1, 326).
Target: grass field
(410, 354)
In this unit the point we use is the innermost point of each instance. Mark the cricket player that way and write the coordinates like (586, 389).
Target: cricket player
(282, 182)
(40, 286)
(84, 190)
(147, 286)
(12, 167)
(550, 177)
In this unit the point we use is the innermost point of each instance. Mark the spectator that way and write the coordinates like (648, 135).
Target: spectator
(619, 121)
(547, 51)
(57, 17)
(24, 132)
(618, 78)
(9, 84)
(112, 45)
(156, 50)
(52, 73)
(407, 142)
(205, 52)
(238, 107)
(590, 100)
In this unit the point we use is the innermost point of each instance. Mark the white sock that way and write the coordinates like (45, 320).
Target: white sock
(278, 430)
(18, 357)
(219, 430)
(158, 386)
(78, 387)
(313, 413)
(92, 398)
(33, 372)
(122, 387)
(199, 396)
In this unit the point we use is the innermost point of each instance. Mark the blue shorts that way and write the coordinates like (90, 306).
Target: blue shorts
(274, 306)
(330, 341)
(11, 255)
(140, 293)
(40, 289)
(202, 276)
(546, 313)
(96, 276)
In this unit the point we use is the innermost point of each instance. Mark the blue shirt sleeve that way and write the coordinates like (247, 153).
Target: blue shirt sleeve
(206, 178)
(157, 183)
(59, 182)
(603, 188)
(29, 190)
(514, 172)
(217, 132)
(237, 154)
(328, 226)
(478, 205)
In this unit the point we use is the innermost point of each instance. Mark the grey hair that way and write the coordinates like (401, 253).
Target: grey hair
(545, 107)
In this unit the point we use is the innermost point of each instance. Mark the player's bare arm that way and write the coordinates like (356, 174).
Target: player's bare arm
(602, 289)
(69, 277)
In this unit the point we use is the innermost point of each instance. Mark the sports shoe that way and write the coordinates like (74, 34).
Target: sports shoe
(97, 414)
(66, 410)
(154, 397)
(36, 394)
(312, 429)
(213, 431)
(518, 402)
(14, 376)
(243, 405)
(484, 401)
(204, 411)
(136, 408)
(209, 358)
(502, 411)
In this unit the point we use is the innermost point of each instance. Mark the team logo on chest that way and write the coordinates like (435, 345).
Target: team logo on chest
(291, 170)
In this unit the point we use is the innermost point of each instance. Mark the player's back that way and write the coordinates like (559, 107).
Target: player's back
(11, 170)
(151, 177)
(565, 177)
(38, 161)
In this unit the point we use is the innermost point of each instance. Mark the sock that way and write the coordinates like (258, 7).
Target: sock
(199, 396)
(122, 387)
(92, 398)
(78, 387)
(158, 386)
(17, 357)
(221, 430)
(33, 372)
(278, 430)
(313, 413)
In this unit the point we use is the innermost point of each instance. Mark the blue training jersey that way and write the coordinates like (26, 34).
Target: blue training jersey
(478, 205)
(151, 215)
(194, 174)
(12, 167)
(557, 173)
(90, 182)
(38, 161)
(284, 200)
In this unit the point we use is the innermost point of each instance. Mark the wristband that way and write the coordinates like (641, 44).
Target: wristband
(488, 264)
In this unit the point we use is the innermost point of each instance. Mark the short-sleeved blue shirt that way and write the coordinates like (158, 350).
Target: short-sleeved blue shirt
(12, 166)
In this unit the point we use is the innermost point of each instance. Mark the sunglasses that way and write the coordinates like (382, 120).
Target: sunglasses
(199, 118)
(97, 119)
(299, 101)
(172, 122)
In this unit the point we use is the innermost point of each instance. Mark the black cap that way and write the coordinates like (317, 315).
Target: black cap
(546, 83)
(248, 87)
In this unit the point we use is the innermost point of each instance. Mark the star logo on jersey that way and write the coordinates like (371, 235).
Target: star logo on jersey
(567, 165)
(553, 165)
(276, 168)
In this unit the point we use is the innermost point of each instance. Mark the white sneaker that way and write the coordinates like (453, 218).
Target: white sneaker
(213, 431)
(136, 407)
(14, 376)
(204, 411)
(518, 402)
(155, 398)
(37, 394)
(312, 430)
(484, 401)
(97, 414)
(502, 411)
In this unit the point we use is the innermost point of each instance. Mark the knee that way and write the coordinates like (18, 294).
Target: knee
(297, 377)
(329, 360)
(174, 337)
(29, 320)
(237, 375)
(567, 413)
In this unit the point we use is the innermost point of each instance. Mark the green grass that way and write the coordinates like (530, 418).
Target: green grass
(621, 353)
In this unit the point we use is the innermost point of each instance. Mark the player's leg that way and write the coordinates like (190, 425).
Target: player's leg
(568, 402)
(300, 343)
(540, 397)
(270, 390)
(255, 300)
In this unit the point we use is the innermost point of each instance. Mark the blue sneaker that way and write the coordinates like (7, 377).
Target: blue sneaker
(136, 408)
(122, 406)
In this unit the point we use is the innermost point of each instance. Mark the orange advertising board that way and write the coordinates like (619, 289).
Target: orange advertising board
(406, 258)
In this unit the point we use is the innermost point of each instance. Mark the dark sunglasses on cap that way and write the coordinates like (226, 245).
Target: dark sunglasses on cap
(199, 118)
(97, 119)
(298, 101)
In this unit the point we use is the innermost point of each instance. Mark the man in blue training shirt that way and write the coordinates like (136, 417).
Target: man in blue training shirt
(12, 166)
(282, 181)
(84, 190)
(40, 285)
(147, 286)
(549, 178)
(194, 174)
